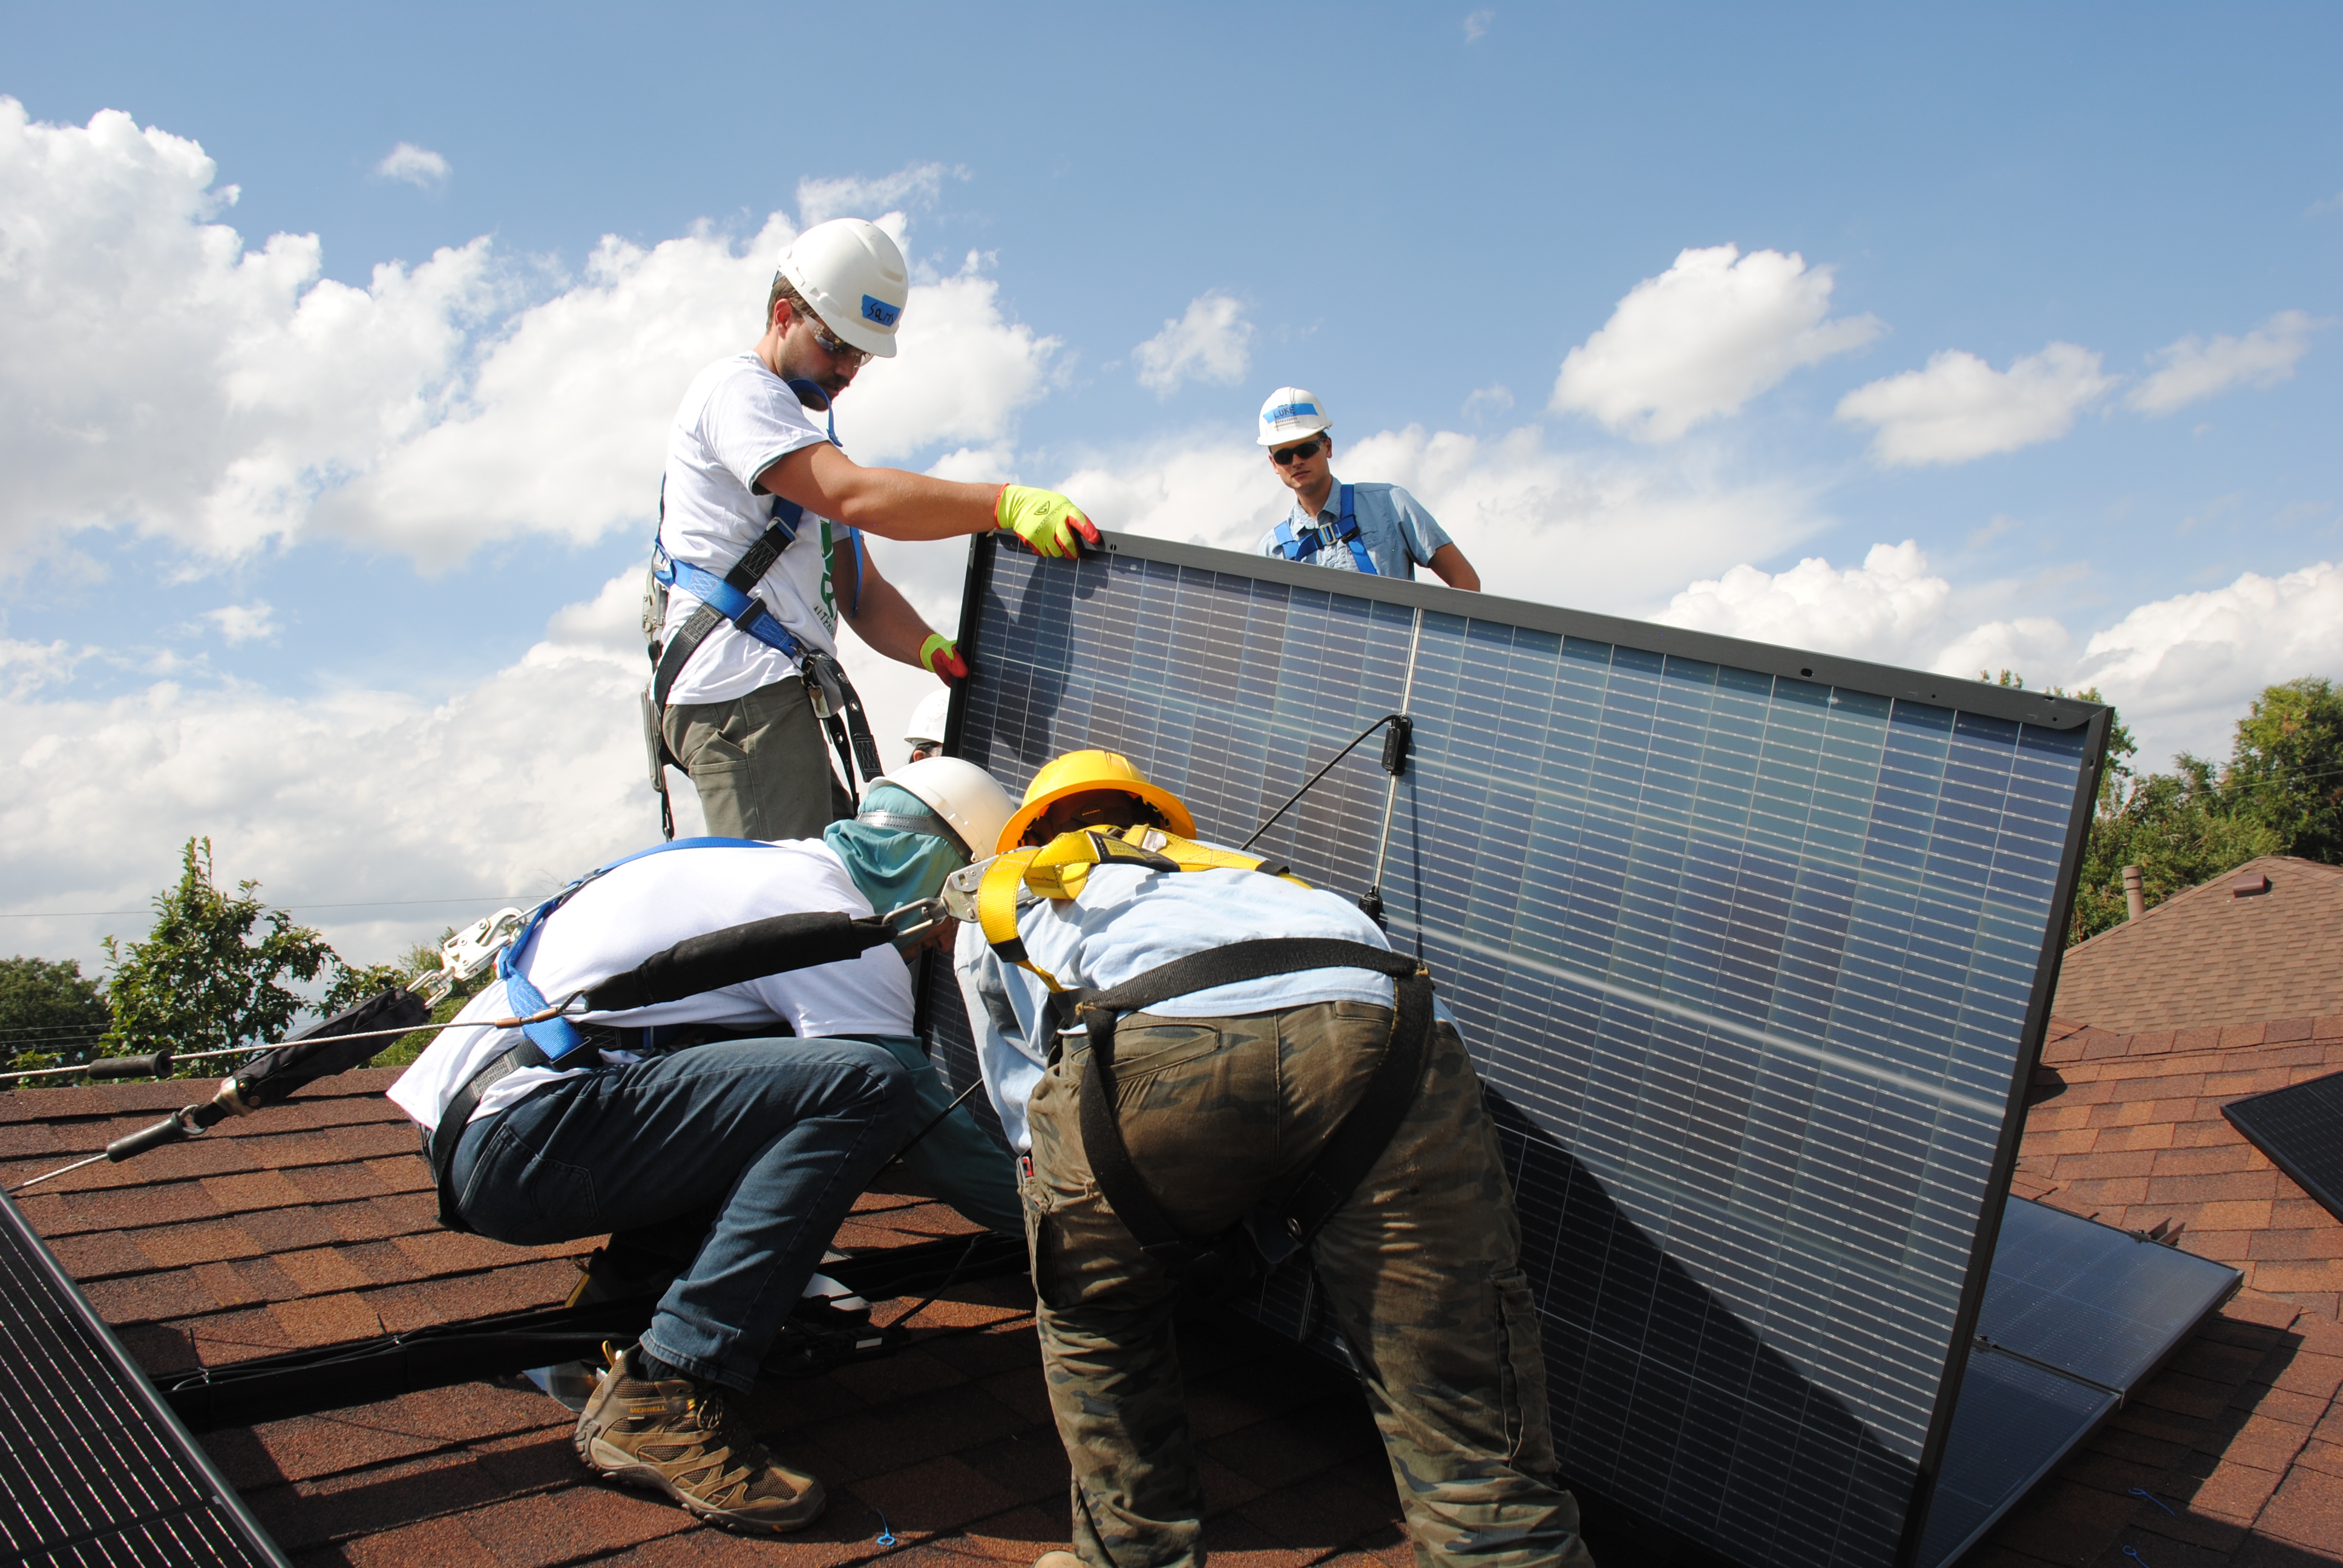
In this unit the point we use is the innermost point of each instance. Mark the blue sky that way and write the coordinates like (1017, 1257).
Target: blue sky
(371, 684)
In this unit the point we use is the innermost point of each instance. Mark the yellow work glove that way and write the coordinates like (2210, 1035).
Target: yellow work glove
(1044, 519)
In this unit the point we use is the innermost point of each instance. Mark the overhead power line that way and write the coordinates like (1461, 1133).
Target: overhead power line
(361, 904)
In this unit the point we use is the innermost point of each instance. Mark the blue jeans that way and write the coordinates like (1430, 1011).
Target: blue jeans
(960, 1161)
(776, 1136)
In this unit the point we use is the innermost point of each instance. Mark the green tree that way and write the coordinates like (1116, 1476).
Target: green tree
(211, 973)
(2286, 769)
(421, 959)
(2280, 793)
(51, 1015)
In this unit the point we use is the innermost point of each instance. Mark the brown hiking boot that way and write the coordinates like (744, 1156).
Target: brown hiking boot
(675, 1436)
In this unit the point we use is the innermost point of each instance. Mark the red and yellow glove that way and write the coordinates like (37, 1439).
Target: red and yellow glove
(939, 656)
(1048, 521)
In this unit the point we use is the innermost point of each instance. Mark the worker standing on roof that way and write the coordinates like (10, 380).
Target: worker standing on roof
(925, 735)
(1379, 530)
(759, 550)
(733, 1158)
(1252, 1100)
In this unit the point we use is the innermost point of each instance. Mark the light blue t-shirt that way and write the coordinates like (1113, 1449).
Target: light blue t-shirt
(1128, 920)
(1398, 533)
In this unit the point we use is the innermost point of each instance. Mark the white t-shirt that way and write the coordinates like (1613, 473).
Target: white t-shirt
(736, 420)
(645, 907)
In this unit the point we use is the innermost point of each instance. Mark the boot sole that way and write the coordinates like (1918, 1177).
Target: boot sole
(619, 1468)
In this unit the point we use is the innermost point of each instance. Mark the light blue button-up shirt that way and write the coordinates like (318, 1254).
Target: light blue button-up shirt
(1398, 533)
(1128, 920)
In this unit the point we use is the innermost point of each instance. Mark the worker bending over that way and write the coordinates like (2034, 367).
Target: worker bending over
(764, 1137)
(1379, 530)
(1218, 1134)
(758, 549)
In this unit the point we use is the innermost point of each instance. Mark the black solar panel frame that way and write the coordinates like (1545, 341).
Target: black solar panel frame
(132, 1415)
(2274, 1122)
(2013, 704)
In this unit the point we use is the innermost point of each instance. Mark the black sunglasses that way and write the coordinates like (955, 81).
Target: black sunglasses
(1286, 457)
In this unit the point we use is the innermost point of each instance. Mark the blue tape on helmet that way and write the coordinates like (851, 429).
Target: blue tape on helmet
(879, 310)
(1290, 411)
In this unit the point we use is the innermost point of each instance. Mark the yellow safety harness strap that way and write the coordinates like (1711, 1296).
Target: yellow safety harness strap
(1061, 867)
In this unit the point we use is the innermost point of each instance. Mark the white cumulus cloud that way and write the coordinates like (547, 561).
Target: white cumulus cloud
(2181, 669)
(2194, 368)
(1212, 342)
(1894, 608)
(1560, 527)
(413, 165)
(917, 185)
(157, 375)
(243, 622)
(1960, 407)
(2185, 667)
(1703, 338)
(1476, 25)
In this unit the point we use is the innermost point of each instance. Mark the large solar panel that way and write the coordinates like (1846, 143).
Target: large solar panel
(2300, 1128)
(93, 1468)
(1752, 947)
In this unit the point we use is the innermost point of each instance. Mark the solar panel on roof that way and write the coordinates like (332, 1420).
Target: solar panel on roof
(2300, 1128)
(2077, 1315)
(93, 1468)
(1748, 944)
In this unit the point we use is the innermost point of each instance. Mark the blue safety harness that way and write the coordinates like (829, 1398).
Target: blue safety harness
(1305, 544)
(557, 1037)
(733, 598)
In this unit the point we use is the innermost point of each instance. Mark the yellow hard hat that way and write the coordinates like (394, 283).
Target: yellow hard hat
(1077, 772)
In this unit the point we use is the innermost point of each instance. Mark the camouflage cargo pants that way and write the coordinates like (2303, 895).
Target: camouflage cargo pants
(1421, 1267)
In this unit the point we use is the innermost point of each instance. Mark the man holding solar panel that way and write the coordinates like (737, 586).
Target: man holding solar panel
(1379, 530)
(1246, 1071)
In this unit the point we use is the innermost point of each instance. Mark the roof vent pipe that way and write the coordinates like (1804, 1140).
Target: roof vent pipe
(2135, 899)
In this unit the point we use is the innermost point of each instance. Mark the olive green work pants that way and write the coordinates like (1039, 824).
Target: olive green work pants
(760, 762)
(1421, 1266)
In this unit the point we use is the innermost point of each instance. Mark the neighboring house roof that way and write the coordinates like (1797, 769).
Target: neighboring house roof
(2215, 956)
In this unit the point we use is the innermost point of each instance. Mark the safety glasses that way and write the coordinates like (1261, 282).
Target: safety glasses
(1286, 457)
(846, 354)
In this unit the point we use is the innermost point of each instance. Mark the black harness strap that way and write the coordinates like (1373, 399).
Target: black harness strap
(1307, 1202)
(457, 1115)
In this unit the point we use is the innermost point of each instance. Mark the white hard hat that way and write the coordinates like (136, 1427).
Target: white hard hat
(1291, 412)
(927, 718)
(969, 800)
(853, 274)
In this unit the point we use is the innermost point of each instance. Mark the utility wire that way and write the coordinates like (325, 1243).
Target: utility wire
(361, 904)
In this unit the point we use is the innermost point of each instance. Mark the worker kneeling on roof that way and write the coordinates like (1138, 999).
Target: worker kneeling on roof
(1252, 1071)
(756, 1139)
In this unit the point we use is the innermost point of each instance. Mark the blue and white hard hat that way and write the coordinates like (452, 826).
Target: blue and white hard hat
(1291, 414)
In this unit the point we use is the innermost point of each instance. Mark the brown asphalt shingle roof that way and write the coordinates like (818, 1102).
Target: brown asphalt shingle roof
(313, 1223)
(2206, 959)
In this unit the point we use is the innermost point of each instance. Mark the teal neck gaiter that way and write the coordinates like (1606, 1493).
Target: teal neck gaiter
(893, 866)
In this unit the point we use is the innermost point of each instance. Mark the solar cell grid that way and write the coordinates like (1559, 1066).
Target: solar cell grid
(2300, 1128)
(92, 1467)
(1748, 961)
